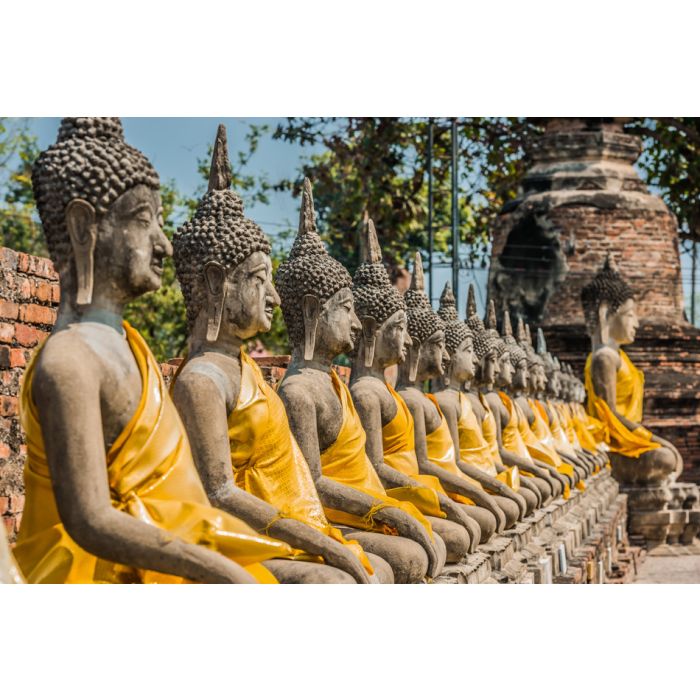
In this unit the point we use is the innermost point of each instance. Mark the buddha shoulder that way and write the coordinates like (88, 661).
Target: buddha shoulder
(605, 360)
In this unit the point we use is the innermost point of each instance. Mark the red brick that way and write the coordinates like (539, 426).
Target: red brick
(7, 332)
(34, 313)
(11, 357)
(11, 525)
(4, 505)
(8, 309)
(8, 405)
(4, 450)
(16, 502)
(23, 286)
(28, 336)
(41, 267)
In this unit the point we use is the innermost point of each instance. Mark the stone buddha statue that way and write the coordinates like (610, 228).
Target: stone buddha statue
(464, 425)
(553, 421)
(495, 378)
(318, 309)
(112, 492)
(244, 450)
(616, 387)
(533, 422)
(434, 445)
(388, 423)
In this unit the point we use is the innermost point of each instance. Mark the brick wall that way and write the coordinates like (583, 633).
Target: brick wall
(645, 245)
(29, 295)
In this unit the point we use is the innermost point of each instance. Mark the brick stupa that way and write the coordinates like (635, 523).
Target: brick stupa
(581, 199)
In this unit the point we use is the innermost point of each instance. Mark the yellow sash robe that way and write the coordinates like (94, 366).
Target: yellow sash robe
(346, 462)
(267, 461)
(152, 477)
(629, 401)
(509, 475)
(535, 448)
(399, 448)
(441, 453)
(475, 450)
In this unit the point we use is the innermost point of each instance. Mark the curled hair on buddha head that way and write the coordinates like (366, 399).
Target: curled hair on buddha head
(376, 299)
(308, 270)
(372, 290)
(456, 331)
(609, 287)
(89, 161)
(492, 330)
(484, 342)
(217, 233)
(422, 320)
(517, 354)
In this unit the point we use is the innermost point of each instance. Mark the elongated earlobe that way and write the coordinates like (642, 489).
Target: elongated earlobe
(311, 309)
(370, 327)
(413, 356)
(82, 231)
(215, 276)
(603, 322)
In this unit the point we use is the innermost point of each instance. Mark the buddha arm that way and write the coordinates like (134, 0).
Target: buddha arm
(510, 458)
(303, 420)
(67, 394)
(450, 482)
(491, 484)
(201, 401)
(368, 407)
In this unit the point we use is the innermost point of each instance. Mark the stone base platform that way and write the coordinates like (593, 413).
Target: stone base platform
(662, 515)
(580, 540)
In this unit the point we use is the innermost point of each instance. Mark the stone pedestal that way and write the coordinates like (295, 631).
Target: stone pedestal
(663, 514)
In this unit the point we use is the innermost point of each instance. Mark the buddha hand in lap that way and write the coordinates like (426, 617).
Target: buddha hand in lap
(616, 387)
(112, 493)
(388, 423)
(318, 309)
(248, 461)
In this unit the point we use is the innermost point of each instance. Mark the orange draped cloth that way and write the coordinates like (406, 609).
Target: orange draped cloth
(475, 450)
(536, 449)
(346, 462)
(441, 452)
(267, 461)
(399, 447)
(508, 475)
(629, 401)
(152, 477)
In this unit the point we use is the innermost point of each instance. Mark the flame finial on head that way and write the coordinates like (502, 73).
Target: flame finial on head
(491, 322)
(507, 327)
(220, 169)
(471, 302)
(541, 342)
(418, 278)
(371, 252)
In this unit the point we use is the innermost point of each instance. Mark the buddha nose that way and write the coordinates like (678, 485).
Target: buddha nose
(355, 325)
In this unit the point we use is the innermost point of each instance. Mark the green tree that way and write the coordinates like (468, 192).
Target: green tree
(378, 166)
(19, 223)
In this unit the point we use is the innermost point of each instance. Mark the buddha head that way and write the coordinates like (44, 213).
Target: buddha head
(485, 347)
(384, 339)
(427, 354)
(459, 341)
(608, 307)
(506, 366)
(99, 203)
(315, 292)
(521, 380)
(537, 360)
(223, 262)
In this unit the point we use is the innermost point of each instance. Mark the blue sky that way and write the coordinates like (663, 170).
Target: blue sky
(174, 145)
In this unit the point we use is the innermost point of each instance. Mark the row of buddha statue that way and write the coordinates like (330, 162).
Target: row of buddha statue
(222, 478)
